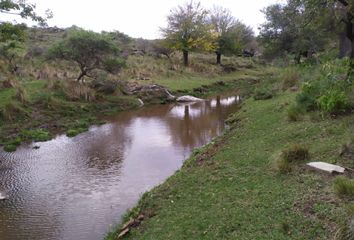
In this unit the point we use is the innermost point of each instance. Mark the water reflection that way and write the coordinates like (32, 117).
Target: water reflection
(75, 188)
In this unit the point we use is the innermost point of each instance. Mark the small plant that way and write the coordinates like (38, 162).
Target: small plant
(307, 98)
(38, 135)
(262, 94)
(295, 153)
(347, 150)
(21, 94)
(12, 111)
(282, 165)
(290, 78)
(344, 186)
(333, 101)
(294, 113)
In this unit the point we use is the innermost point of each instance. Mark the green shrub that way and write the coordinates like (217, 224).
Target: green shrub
(290, 78)
(10, 148)
(307, 98)
(344, 186)
(282, 165)
(294, 113)
(38, 135)
(262, 94)
(12, 111)
(295, 153)
(333, 101)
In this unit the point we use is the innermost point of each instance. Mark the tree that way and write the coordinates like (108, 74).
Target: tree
(231, 35)
(291, 28)
(12, 36)
(188, 29)
(89, 50)
(23, 9)
(11, 44)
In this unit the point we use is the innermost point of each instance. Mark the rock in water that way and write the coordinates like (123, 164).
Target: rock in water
(327, 167)
(189, 99)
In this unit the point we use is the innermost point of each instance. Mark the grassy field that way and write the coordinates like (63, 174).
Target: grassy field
(230, 189)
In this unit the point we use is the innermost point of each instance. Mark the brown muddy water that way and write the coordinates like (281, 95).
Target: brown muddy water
(79, 188)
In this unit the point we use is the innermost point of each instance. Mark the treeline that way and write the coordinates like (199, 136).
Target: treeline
(306, 27)
(190, 28)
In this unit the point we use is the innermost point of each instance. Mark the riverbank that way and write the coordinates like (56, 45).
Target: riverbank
(231, 189)
(38, 110)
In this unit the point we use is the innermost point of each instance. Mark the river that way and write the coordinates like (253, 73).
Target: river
(79, 188)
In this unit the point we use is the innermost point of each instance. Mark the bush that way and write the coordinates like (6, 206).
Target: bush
(263, 94)
(295, 153)
(294, 113)
(333, 101)
(307, 98)
(344, 186)
(290, 78)
(21, 94)
(38, 135)
(282, 165)
(12, 111)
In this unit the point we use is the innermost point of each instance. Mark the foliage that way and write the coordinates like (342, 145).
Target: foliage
(263, 94)
(11, 44)
(294, 113)
(290, 28)
(344, 186)
(89, 50)
(231, 35)
(24, 10)
(333, 101)
(188, 30)
(295, 153)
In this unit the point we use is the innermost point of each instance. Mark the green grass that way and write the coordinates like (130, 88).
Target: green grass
(229, 189)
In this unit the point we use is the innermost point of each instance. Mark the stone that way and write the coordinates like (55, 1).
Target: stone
(189, 99)
(153, 91)
(2, 196)
(327, 167)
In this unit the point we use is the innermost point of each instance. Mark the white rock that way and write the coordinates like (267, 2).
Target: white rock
(189, 99)
(2, 196)
(327, 167)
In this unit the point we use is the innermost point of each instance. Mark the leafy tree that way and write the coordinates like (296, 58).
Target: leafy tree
(23, 9)
(11, 44)
(290, 28)
(231, 36)
(188, 29)
(90, 51)
(159, 47)
(12, 36)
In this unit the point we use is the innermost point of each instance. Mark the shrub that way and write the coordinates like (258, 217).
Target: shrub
(344, 186)
(333, 101)
(282, 165)
(294, 113)
(347, 149)
(38, 135)
(262, 94)
(12, 111)
(295, 153)
(21, 94)
(290, 78)
(307, 98)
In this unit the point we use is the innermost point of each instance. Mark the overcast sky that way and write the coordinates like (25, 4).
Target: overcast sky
(138, 18)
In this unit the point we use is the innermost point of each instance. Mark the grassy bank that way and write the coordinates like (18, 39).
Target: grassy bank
(231, 188)
(35, 111)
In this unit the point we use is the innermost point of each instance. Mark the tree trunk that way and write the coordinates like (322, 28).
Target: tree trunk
(218, 58)
(185, 58)
(82, 74)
